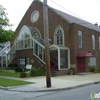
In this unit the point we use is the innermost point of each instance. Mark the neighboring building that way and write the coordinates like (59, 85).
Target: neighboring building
(4, 49)
(75, 43)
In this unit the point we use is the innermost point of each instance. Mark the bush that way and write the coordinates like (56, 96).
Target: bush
(12, 66)
(23, 75)
(18, 69)
(37, 71)
(70, 72)
(93, 68)
(32, 72)
(24, 69)
(99, 70)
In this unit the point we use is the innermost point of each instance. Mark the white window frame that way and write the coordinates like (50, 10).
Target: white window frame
(93, 42)
(99, 42)
(59, 39)
(80, 39)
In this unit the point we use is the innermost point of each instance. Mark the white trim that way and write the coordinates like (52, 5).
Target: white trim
(39, 58)
(55, 32)
(80, 37)
(59, 59)
(99, 42)
(5, 48)
(37, 32)
(35, 12)
(22, 32)
(93, 42)
(68, 58)
(64, 48)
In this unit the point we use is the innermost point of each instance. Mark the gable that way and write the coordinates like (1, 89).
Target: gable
(26, 20)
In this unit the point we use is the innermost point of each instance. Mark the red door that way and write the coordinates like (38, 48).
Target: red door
(80, 64)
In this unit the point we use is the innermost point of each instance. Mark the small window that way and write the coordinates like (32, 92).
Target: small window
(93, 42)
(80, 39)
(99, 43)
(35, 16)
(22, 62)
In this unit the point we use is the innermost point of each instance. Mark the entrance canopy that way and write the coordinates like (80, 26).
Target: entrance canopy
(84, 54)
(63, 56)
(54, 47)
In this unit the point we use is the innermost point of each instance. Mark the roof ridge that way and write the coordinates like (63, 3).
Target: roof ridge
(73, 19)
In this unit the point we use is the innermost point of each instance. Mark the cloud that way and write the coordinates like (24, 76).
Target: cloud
(86, 9)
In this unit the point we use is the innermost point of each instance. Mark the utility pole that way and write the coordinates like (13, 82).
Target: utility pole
(46, 38)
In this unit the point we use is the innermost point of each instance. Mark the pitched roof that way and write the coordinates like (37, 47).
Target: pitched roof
(72, 19)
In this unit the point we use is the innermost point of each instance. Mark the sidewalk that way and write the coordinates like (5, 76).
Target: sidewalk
(58, 82)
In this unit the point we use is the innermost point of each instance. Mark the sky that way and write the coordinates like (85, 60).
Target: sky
(88, 10)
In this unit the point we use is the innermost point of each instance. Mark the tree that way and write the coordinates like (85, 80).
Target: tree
(5, 35)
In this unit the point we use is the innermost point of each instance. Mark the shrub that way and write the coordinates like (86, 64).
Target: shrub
(99, 70)
(12, 66)
(37, 71)
(23, 75)
(70, 72)
(24, 69)
(93, 68)
(18, 69)
(32, 72)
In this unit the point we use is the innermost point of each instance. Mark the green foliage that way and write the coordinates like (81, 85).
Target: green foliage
(11, 73)
(96, 70)
(18, 69)
(12, 66)
(32, 71)
(70, 72)
(99, 70)
(37, 71)
(93, 68)
(3, 17)
(5, 35)
(24, 69)
(28, 73)
(23, 75)
(8, 82)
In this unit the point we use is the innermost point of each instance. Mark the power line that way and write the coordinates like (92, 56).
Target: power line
(70, 11)
(66, 9)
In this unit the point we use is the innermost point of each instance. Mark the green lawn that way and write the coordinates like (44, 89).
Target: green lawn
(12, 73)
(9, 82)
(9, 73)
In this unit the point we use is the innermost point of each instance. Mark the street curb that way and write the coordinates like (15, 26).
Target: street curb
(68, 88)
(49, 90)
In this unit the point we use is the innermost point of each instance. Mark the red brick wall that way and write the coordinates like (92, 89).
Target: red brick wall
(70, 32)
(86, 41)
(22, 54)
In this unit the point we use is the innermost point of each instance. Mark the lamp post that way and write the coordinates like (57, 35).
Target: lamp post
(46, 37)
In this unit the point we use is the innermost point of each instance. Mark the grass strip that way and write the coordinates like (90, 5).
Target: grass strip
(9, 82)
(9, 73)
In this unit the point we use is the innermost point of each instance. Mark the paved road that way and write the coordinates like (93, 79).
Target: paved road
(11, 95)
(82, 93)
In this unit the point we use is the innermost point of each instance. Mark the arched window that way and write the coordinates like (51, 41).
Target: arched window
(36, 35)
(59, 36)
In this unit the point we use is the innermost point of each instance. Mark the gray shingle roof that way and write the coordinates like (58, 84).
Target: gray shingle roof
(71, 19)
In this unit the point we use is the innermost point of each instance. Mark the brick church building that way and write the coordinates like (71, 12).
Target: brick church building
(74, 43)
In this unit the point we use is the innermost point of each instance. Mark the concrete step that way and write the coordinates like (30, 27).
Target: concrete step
(84, 73)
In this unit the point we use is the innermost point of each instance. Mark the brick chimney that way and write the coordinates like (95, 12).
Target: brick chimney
(96, 24)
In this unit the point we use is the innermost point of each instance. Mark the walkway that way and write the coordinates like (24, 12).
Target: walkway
(58, 82)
